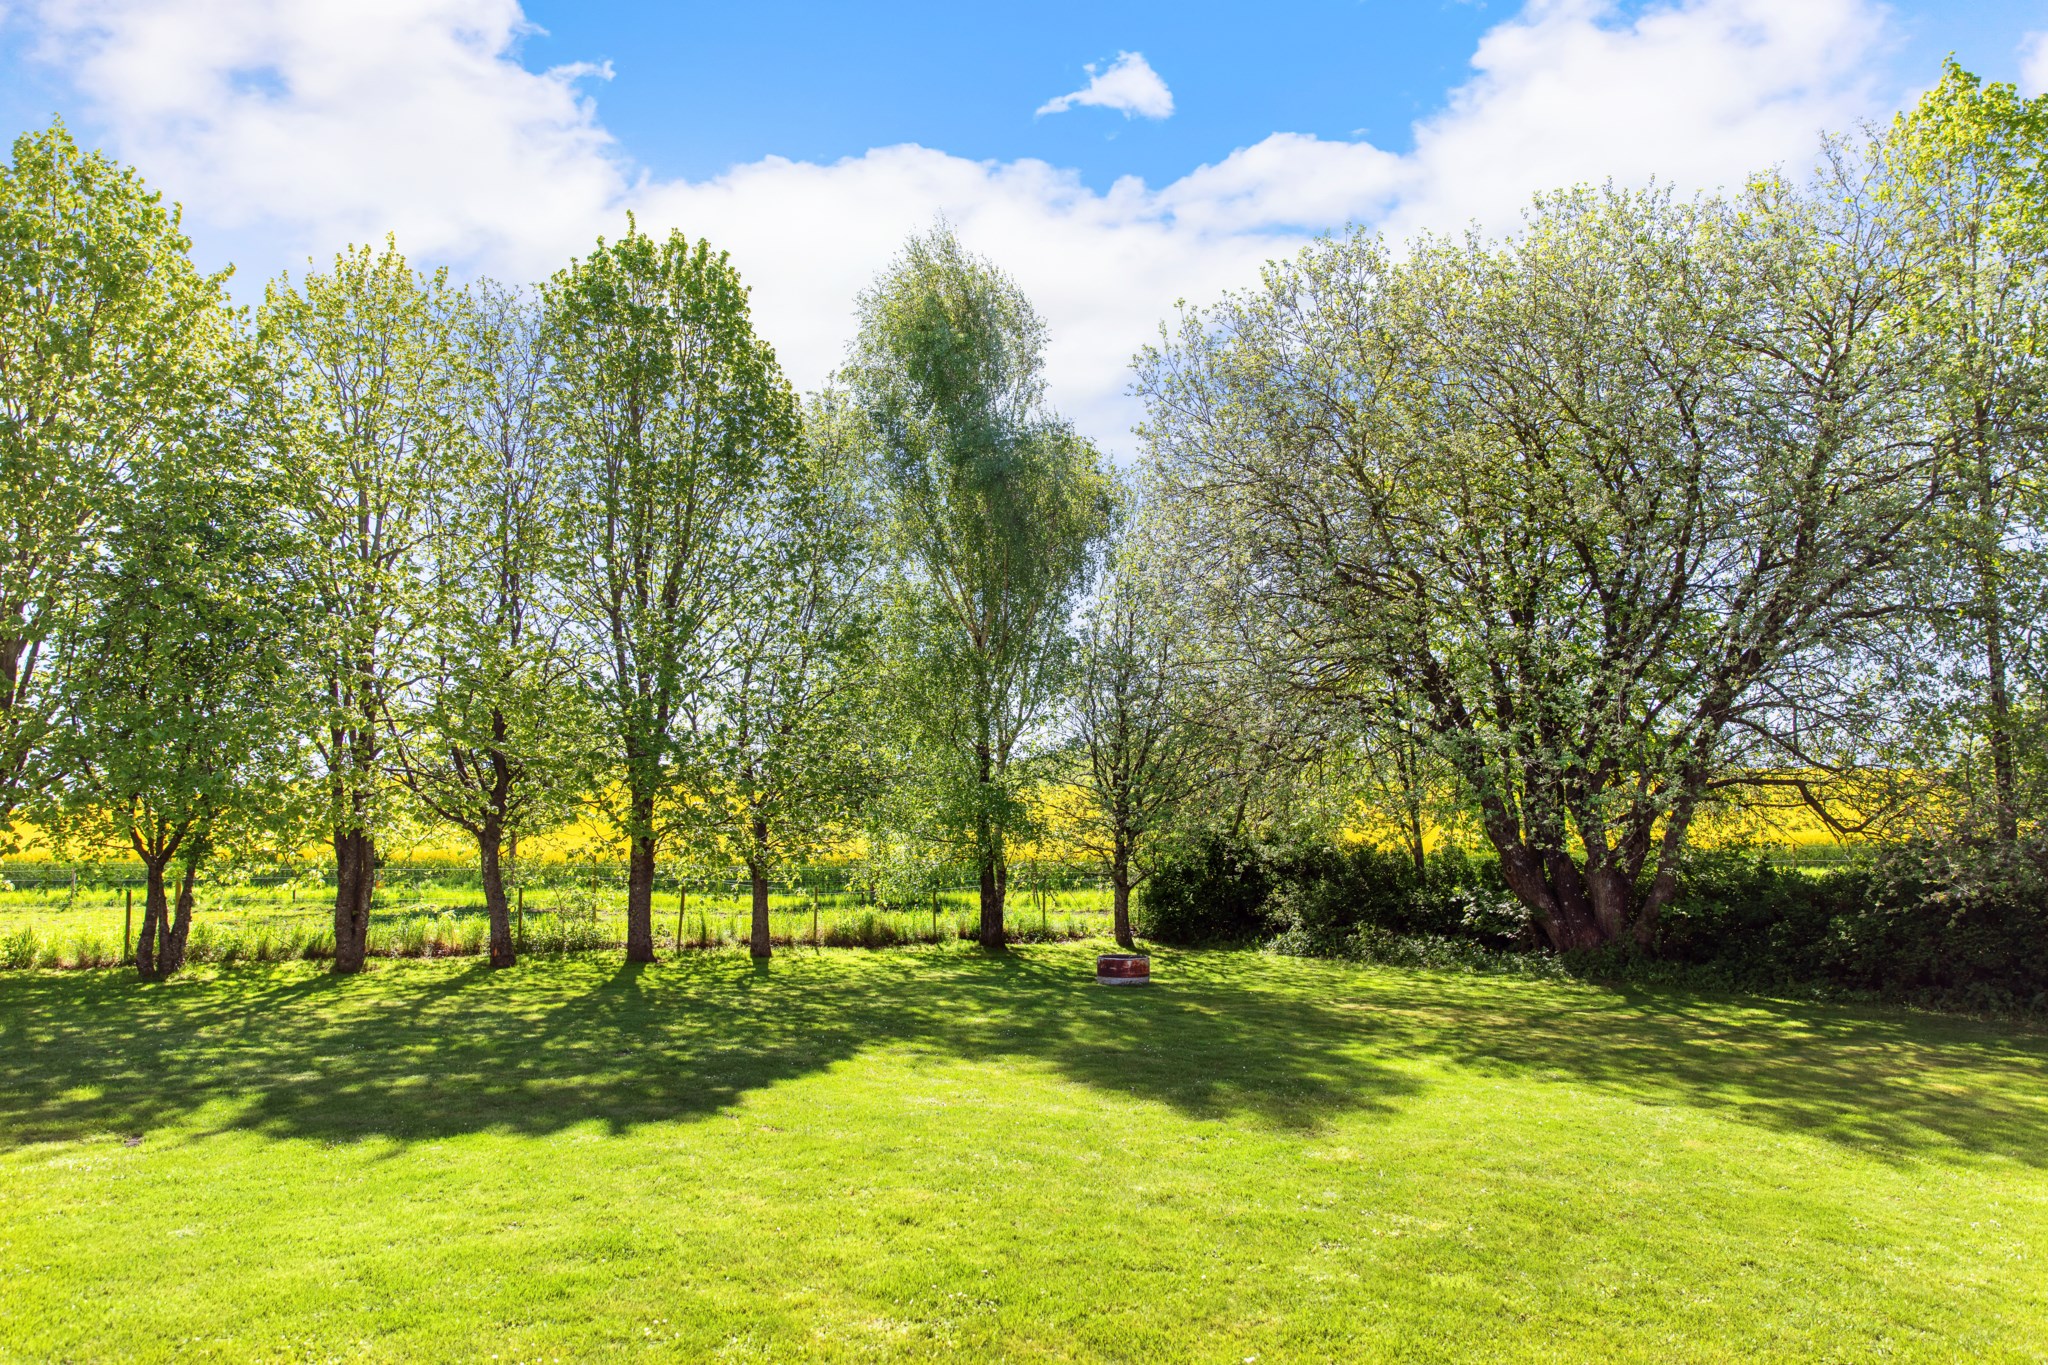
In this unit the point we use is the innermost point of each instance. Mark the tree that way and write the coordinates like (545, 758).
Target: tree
(104, 324)
(1966, 167)
(492, 732)
(364, 359)
(171, 735)
(1142, 756)
(668, 409)
(785, 762)
(995, 507)
(1606, 506)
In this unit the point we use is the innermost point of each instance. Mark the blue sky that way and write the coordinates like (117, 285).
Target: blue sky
(698, 88)
(501, 137)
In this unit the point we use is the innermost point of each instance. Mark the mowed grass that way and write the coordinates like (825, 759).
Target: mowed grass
(940, 1153)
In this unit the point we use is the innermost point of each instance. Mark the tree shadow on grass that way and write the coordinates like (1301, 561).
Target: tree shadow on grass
(1890, 1083)
(422, 1051)
(425, 1051)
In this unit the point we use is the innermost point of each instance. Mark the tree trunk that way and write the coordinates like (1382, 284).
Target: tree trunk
(1120, 888)
(757, 942)
(502, 951)
(994, 876)
(355, 878)
(1559, 910)
(640, 901)
(1991, 613)
(171, 957)
(155, 912)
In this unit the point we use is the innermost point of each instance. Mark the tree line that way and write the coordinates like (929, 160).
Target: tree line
(1655, 511)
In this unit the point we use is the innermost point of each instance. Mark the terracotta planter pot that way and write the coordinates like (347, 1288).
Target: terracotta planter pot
(1123, 969)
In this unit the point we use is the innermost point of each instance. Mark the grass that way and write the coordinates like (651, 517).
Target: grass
(53, 927)
(938, 1153)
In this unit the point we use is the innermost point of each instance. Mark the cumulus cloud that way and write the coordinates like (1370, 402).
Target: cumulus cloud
(296, 126)
(1129, 84)
(1703, 93)
(2034, 63)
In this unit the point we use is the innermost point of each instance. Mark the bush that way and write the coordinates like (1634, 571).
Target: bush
(868, 930)
(18, 949)
(1320, 894)
(1945, 925)
(1211, 889)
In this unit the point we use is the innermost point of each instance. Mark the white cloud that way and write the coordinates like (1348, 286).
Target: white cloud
(296, 126)
(2034, 63)
(1129, 84)
(1703, 93)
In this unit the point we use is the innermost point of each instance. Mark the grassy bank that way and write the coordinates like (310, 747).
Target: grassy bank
(935, 1152)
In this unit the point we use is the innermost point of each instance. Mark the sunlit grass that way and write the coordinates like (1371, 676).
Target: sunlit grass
(939, 1153)
(50, 927)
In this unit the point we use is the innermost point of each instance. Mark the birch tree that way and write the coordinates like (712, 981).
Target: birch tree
(492, 733)
(1966, 167)
(995, 507)
(786, 765)
(1142, 757)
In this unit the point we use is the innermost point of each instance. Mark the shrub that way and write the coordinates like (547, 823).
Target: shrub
(18, 949)
(868, 930)
(1210, 889)
(89, 949)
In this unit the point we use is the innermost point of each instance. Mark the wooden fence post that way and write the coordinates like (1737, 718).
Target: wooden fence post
(128, 930)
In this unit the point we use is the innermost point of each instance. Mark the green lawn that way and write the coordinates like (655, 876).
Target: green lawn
(939, 1153)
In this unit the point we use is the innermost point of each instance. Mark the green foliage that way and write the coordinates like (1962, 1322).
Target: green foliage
(110, 352)
(669, 410)
(1595, 508)
(995, 508)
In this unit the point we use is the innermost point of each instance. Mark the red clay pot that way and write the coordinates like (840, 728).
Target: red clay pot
(1123, 969)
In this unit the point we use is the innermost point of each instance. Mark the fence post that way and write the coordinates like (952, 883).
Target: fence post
(128, 930)
(520, 895)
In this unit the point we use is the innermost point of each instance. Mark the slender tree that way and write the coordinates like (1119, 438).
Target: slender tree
(366, 367)
(104, 329)
(668, 409)
(492, 733)
(174, 733)
(995, 506)
(1966, 166)
(787, 767)
(1142, 756)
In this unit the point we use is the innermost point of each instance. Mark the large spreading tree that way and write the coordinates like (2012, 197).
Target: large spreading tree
(1605, 506)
